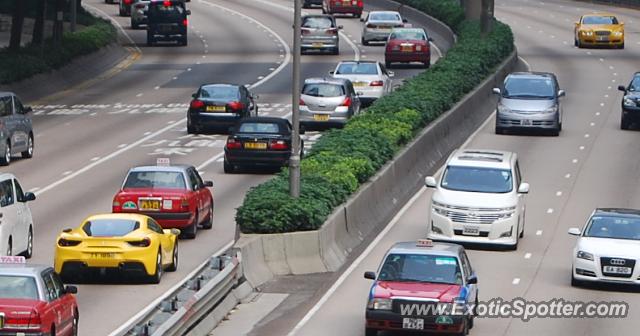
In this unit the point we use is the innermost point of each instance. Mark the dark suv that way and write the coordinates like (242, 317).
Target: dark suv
(167, 21)
(630, 102)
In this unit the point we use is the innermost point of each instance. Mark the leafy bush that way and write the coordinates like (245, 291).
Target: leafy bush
(343, 159)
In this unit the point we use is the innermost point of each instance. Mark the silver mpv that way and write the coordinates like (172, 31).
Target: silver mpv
(327, 102)
(529, 100)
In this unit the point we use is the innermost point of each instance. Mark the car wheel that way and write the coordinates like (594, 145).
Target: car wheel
(622, 46)
(357, 15)
(228, 168)
(6, 158)
(9, 251)
(575, 282)
(157, 275)
(29, 152)
(555, 131)
(122, 12)
(474, 312)
(364, 42)
(465, 329)
(521, 235)
(426, 64)
(370, 332)
(323, 10)
(134, 25)
(208, 224)
(499, 130)
(336, 51)
(575, 42)
(76, 320)
(174, 258)
(28, 253)
(184, 41)
(191, 129)
(625, 124)
(191, 231)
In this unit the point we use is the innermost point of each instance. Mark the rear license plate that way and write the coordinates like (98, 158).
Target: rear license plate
(216, 108)
(102, 255)
(165, 29)
(617, 270)
(320, 117)
(255, 145)
(317, 45)
(407, 49)
(359, 84)
(412, 323)
(149, 204)
(526, 122)
(471, 231)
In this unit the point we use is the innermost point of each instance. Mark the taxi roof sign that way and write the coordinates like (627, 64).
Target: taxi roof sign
(13, 260)
(424, 243)
(164, 162)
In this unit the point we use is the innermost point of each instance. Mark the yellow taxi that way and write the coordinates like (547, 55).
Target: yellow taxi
(126, 242)
(599, 30)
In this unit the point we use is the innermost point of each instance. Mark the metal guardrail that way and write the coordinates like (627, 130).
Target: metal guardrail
(180, 309)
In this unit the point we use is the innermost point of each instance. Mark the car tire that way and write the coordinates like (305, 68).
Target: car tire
(370, 332)
(184, 41)
(28, 253)
(364, 42)
(575, 42)
(134, 25)
(387, 64)
(29, 152)
(9, 251)
(192, 129)
(5, 160)
(323, 10)
(500, 130)
(157, 275)
(556, 131)
(75, 323)
(208, 224)
(335, 51)
(575, 282)
(122, 13)
(191, 231)
(465, 329)
(174, 258)
(427, 64)
(622, 46)
(357, 16)
(625, 124)
(228, 168)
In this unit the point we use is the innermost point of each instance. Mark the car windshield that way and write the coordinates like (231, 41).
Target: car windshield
(529, 88)
(600, 20)
(421, 268)
(255, 127)
(617, 227)
(323, 90)
(408, 35)
(110, 227)
(635, 84)
(155, 179)
(162, 13)
(384, 17)
(357, 69)
(317, 22)
(476, 179)
(226, 93)
(18, 287)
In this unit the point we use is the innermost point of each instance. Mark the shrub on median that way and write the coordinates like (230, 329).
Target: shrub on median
(343, 159)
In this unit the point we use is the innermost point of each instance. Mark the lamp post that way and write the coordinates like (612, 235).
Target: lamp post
(486, 18)
(294, 161)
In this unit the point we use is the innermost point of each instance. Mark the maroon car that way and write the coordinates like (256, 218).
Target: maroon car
(353, 7)
(406, 45)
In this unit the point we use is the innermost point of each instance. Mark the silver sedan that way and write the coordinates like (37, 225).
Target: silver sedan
(378, 25)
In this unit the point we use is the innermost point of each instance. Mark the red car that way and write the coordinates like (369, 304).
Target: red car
(175, 196)
(422, 287)
(33, 300)
(406, 45)
(343, 7)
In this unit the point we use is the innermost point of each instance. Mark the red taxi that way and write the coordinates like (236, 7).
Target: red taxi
(406, 45)
(423, 287)
(174, 195)
(343, 7)
(33, 300)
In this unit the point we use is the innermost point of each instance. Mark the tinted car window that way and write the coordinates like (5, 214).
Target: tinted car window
(317, 22)
(6, 193)
(154, 226)
(614, 227)
(475, 179)
(635, 84)
(323, 90)
(384, 17)
(5, 107)
(18, 105)
(155, 179)
(529, 88)
(18, 287)
(220, 92)
(109, 227)
(50, 287)
(408, 35)
(161, 13)
(421, 268)
(19, 192)
(357, 69)
(254, 127)
(601, 20)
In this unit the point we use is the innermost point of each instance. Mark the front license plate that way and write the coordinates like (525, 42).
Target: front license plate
(318, 45)
(149, 204)
(617, 270)
(255, 145)
(407, 49)
(603, 38)
(412, 323)
(526, 122)
(102, 255)
(471, 231)
(216, 109)
(320, 117)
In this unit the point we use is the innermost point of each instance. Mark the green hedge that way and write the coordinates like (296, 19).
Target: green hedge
(345, 158)
(31, 59)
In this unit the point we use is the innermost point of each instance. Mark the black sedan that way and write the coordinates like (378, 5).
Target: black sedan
(258, 142)
(217, 107)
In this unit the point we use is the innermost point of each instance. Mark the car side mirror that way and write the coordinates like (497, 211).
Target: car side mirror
(574, 231)
(430, 39)
(576, 23)
(430, 182)
(208, 184)
(405, 20)
(302, 129)
(194, 95)
(340, 27)
(370, 275)
(27, 109)
(472, 279)
(29, 196)
(523, 188)
(622, 88)
(361, 19)
(332, 72)
(496, 91)
(561, 93)
(67, 230)
(232, 129)
(70, 290)
(188, 12)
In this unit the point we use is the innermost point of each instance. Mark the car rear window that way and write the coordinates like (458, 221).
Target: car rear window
(408, 35)
(421, 268)
(155, 179)
(317, 22)
(357, 69)
(384, 17)
(18, 287)
(161, 13)
(255, 127)
(220, 92)
(323, 90)
(603, 20)
(110, 227)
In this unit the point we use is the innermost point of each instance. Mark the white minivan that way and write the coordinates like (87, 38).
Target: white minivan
(16, 224)
(478, 199)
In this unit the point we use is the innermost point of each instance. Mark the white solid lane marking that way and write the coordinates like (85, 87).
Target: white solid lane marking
(67, 172)
(539, 233)
(527, 256)
(550, 210)
(95, 158)
(516, 281)
(122, 145)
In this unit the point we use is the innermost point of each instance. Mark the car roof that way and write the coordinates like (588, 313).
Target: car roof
(617, 212)
(531, 74)
(319, 15)
(131, 216)
(487, 158)
(405, 29)
(6, 176)
(22, 269)
(172, 168)
(6, 93)
(383, 12)
(357, 61)
(264, 120)
(330, 80)
(437, 248)
(600, 14)
(220, 85)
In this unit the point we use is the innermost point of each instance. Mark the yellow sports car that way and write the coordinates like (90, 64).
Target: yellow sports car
(599, 30)
(128, 242)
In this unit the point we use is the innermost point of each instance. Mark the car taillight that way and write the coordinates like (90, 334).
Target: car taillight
(346, 102)
(233, 144)
(332, 31)
(166, 3)
(234, 105)
(185, 22)
(23, 321)
(128, 2)
(197, 104)
(302, 103)
(184, 204)
(369, 25)
(145, 242)
(68, 242)
(376, 83)
(278, 144)
(306, 31)
(360, 3)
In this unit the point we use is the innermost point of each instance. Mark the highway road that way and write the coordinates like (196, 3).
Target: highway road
(591, 164)
(87, 139)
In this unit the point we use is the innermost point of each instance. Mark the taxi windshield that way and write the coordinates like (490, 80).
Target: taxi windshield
(616, 227)
(18, 287)
(110, 227)
(155, 179)
(421, 268)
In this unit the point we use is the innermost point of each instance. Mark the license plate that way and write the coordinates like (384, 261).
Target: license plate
(320, 117)
(407, 49)
(526, 122)
(216, 108)
(471, 231)
(255, 145)
(603, 38)
(149, 204)
(617, 270)
(318, 45)
(412, 323)
(359, 84)
(102, 255)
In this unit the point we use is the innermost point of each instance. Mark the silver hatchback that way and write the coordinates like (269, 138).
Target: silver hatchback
(529, 100)
(320, 33)
(16, 129)
(327, 102)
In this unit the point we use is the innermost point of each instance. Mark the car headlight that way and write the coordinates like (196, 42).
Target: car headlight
(552, 109)
(587, 33)
(628, 101)
(503, 109)
(379, 304)
(584, 255)
(618, 33)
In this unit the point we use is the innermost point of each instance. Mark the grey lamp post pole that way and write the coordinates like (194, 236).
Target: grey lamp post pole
(294, 161)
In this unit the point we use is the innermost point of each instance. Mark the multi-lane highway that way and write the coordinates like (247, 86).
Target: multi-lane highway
(591, 164)
(87, 139)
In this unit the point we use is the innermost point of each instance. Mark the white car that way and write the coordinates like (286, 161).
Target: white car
(16, 224)
(608, 248)
(370, 79)
(479, 199)
(378, 25)
(138, 16)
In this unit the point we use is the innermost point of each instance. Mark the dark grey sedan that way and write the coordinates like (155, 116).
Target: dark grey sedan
(16, 130)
